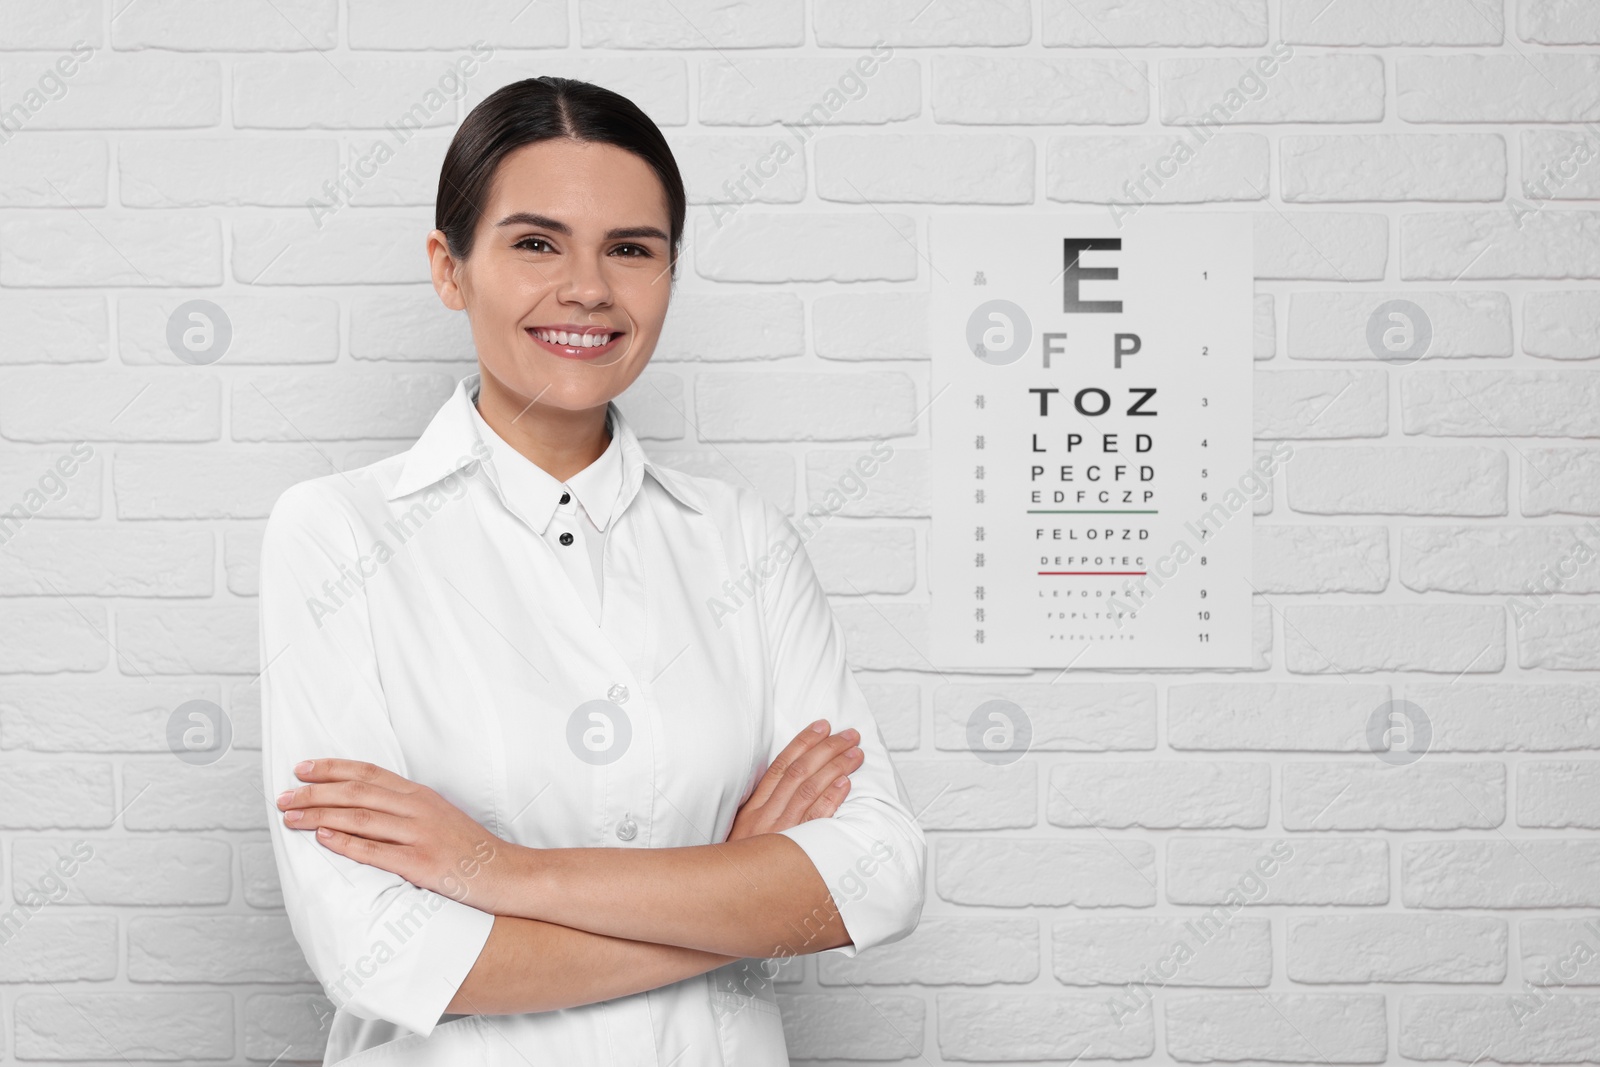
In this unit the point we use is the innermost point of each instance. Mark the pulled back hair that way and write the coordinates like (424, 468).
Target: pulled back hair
(542, 109)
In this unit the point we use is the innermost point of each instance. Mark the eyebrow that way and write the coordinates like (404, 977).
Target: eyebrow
(545, 222)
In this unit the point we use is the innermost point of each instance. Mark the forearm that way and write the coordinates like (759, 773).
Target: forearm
(754, 897)
(527, 965)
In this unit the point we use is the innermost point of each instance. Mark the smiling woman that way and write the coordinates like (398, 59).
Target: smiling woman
(536, 796)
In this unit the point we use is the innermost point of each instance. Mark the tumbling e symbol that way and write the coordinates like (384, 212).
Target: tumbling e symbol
(598, 732)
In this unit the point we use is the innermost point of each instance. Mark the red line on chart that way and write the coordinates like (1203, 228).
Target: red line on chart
(1094, 572)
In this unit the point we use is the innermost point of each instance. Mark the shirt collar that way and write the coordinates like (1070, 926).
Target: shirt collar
(452, 441)
(536, 493)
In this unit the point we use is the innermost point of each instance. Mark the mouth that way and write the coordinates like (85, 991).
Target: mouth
(588, 342)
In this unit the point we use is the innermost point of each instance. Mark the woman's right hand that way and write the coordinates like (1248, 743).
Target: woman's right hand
(808, 780)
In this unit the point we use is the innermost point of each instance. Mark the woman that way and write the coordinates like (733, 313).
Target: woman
(541, 711)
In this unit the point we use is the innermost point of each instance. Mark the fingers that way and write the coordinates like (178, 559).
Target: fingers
(829, 801)
(803, 742)
(357, 822)
(822, 787)
(345, 794)
(802, 783)
(334, 770)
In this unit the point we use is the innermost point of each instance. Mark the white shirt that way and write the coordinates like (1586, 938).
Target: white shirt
(411, 619)
(552, 508)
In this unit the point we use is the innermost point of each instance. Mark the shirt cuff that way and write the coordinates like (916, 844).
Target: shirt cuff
(418, 951)
(875, 877)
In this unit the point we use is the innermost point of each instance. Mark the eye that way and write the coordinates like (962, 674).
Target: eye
(643, 252)
(526, 240)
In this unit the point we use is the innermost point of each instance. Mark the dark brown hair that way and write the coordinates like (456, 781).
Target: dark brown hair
(541, 109)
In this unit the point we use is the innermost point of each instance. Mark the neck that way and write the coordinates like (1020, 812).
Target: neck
(560, 441)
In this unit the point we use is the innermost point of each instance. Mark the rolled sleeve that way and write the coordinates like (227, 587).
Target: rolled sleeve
(382, 948)
(872, 852)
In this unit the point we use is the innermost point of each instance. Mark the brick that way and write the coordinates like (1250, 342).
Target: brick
(1328, 1028)
(969, 795)
(1333, 325)
(1035, 1026)
(1270, 88)
(1150, 23)
(416, 25)
(1499, 874)
(53, 171)
(1501, 1029)
(1313, 404)
(56, 795)
(1023, 91)
(69, 559)
(54, 328)
(1340, 638)
(70, 250)
(1024, 872)
(103, 1026)
(1134, 169)
(878, 1026)
(1062, 717)
(767, 247)
(57, 948)
(1201, 950)
(1385, 480)
(1239, 871)
(842, 24)
(1372, 795)
(924, 169)
(126, 91)
(214, 949)
(394, 405)
(1509, 717)
(1373, 22)
(1526, 87)
(1396, 948)
(804, 93)
(1521, 561)
(1516, 241)
(1166, 794)
(1320, 559)
(1559, 952)
(944, 952)
(42, 638)
(1289, 717)
(1559, 794)
(1558, 637)
(1558, 22)
(901, 486)
(188, 640)
(774, 406)
(707, 328)
(177, 796)
(1563, 324)
(160, 871)
(247, 26)
(671, 24)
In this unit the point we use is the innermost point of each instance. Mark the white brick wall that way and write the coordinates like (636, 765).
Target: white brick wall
(1084, 902)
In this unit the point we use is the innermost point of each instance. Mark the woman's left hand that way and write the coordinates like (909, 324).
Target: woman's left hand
(376, 817)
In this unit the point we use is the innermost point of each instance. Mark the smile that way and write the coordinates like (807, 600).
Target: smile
(574, 345)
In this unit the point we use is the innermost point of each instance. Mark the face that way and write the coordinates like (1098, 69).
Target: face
(574, 239)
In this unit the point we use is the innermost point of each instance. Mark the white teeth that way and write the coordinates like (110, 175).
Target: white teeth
(574, 340)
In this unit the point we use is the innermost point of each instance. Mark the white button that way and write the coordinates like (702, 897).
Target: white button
(627, 828)
(617, 694)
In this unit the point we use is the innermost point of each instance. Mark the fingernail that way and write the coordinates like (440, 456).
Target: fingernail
(283, 797)
(323, 831)
(293, 816)
(853, 753)
(303, 767)
(820, 726)
(842, 781)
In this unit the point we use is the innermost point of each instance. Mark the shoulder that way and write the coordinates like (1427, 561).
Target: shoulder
(331, 507)
(737, 509)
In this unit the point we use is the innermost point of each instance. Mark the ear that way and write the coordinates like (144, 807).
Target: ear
(445, 268)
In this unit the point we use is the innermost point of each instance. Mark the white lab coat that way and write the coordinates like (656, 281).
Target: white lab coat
(410, 619)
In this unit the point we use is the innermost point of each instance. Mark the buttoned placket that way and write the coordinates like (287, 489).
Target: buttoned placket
(620, 618)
